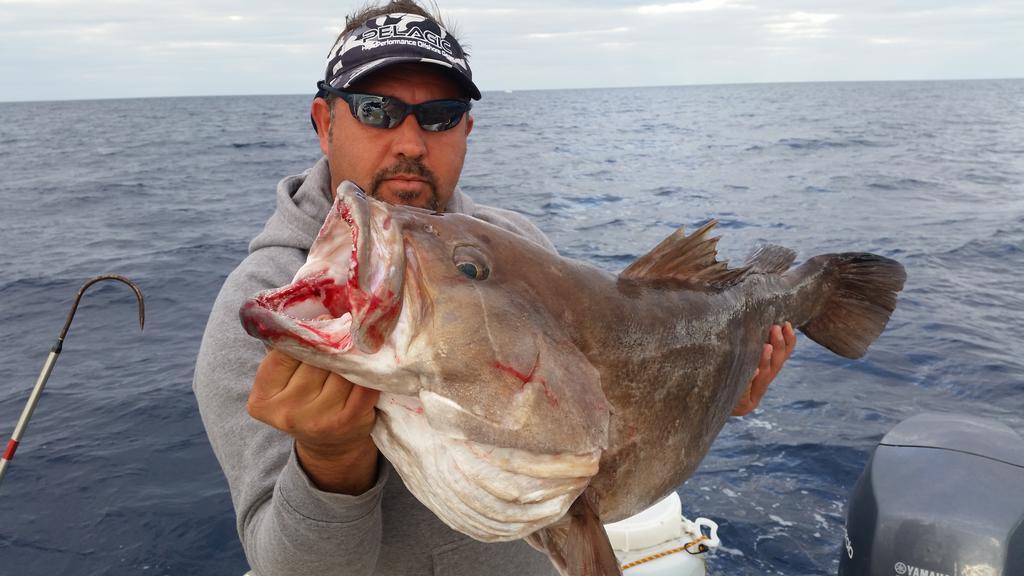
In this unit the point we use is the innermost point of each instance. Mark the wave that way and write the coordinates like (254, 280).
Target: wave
(260, 144)
(823, 144)
(904, 184)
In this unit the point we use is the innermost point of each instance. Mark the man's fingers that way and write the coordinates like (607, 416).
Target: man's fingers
(361, 401)
(790, 337)
(779, 353)
(305, 384)
(345, 400)
(335, 392)
(765, 365)
(763, 375)
(338, 416)
(756, 388)
(781, 341)
(273, 374)
(747, 403)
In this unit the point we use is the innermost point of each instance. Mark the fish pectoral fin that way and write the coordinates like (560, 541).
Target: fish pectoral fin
(578, 544)
(682, 258)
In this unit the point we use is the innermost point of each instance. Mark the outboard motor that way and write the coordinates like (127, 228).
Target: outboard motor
(942, 495)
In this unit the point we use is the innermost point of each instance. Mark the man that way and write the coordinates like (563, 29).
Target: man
(311, 493)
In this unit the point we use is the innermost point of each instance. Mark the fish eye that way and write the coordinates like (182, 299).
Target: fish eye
(471, 262)
(471, 270)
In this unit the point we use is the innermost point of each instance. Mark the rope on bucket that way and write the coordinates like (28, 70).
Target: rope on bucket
(684, 548)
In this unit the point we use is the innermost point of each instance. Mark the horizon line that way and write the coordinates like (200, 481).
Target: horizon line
(513, 90)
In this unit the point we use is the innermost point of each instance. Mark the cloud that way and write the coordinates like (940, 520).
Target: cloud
(476, 11)
(576, 33)
(685, 7)
(802, 25)
(889, 41)
(227, 46)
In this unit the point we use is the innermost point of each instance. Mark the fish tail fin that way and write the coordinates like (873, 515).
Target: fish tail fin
(856, 310)
(578, 544)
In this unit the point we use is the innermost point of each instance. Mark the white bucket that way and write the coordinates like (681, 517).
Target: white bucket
(660, 542)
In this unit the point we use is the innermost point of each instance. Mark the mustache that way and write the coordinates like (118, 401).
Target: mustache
(411, 166)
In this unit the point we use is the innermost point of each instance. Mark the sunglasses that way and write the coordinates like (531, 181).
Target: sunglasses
(388, 112)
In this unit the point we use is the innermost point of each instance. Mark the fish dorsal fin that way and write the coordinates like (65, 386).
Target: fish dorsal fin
(770, 259)
(682, 258)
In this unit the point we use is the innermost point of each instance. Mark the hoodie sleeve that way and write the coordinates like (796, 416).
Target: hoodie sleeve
(286, 525)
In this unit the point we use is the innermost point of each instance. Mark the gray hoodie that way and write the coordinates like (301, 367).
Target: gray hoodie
(287, 525)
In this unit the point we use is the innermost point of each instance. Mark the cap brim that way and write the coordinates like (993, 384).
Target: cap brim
(346, 79)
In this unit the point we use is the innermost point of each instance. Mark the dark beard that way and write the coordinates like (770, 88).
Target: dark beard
(406, 165)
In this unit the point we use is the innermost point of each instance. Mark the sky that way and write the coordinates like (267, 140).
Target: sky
(85, 49)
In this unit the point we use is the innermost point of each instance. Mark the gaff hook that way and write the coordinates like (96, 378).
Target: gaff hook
(51, 359)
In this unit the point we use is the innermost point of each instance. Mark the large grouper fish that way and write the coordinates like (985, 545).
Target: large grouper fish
(527, 395)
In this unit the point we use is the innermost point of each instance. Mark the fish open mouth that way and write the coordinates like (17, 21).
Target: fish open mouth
(348, 295)
(313, 311)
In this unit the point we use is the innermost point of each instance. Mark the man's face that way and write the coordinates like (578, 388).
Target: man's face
(400, 165)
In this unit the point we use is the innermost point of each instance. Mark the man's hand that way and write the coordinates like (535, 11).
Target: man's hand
(781, 341)
(329, 417)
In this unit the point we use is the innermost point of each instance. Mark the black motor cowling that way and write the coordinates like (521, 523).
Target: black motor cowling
(942, 495)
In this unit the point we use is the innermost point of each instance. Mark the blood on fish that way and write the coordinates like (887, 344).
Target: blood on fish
(334, 297)
(524, 378)
(374, 330)
(527, 378)
(552, 399)
(416, 410)
(370, 303)
(343, 341)
(346, 214)
(289, 296)
(273, 334)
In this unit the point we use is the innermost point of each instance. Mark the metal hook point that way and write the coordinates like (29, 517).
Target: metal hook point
(90, 282)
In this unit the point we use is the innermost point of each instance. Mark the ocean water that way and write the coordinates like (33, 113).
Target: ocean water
(115, 475)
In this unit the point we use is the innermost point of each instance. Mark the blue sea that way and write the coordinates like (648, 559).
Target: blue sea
(115, 475)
